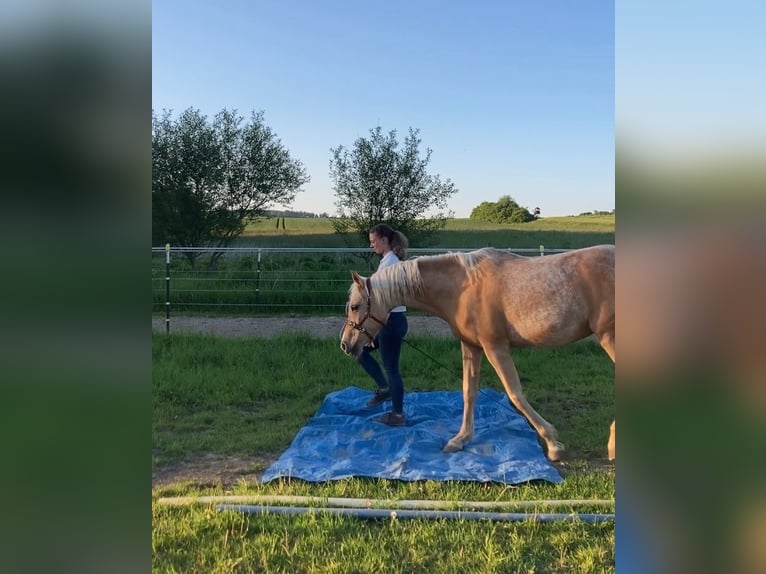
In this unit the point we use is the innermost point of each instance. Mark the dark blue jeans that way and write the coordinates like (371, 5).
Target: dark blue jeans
(389, 341)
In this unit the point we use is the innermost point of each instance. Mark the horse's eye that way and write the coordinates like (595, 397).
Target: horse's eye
(355, 308)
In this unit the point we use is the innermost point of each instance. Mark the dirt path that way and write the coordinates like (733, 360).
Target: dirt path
(212, 470)
(221, 471)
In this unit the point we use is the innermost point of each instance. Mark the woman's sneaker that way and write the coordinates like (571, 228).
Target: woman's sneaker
(381, 396)
(393, 419)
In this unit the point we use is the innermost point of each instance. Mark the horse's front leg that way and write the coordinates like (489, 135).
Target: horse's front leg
(471, 369)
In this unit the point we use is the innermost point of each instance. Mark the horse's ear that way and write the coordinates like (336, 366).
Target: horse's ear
(359, 280)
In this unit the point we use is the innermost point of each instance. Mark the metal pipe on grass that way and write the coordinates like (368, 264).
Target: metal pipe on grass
(393, 514)
(381, 503)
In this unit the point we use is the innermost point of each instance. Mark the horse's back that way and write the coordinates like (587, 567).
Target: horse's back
(551, 299)
(594, 265)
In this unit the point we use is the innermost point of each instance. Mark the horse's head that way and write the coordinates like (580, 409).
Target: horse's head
(363, 317)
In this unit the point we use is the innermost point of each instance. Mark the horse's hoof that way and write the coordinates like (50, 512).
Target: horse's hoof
(451, 447)
(555, 452)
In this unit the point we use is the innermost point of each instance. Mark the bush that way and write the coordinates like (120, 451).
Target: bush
(504, 210)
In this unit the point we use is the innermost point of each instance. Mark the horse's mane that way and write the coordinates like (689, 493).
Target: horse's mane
(471, 260)
(392, 283)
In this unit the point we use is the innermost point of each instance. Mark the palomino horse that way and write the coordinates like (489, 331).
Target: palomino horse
(495, 300)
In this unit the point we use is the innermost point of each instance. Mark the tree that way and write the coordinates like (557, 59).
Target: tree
(209, 178)
(376, 182)
(504, 210)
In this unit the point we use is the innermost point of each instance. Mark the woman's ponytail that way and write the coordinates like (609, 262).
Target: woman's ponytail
(399, 245)
(396, 239)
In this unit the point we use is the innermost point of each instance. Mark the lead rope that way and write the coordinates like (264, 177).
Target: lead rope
(442, 365)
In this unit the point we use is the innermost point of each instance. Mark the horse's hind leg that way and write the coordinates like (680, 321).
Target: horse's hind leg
(471, 369)
(500, 359)
(607, 342)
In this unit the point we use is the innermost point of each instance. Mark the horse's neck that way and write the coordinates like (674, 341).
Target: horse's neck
(438, 284)
(443, 280)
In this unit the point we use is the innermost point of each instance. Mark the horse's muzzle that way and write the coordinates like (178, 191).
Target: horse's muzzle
(344, 346)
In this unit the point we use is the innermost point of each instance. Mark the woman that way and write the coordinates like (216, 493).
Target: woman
(391, 245)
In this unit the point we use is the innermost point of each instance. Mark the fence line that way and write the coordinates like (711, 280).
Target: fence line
(542, 250)
(265, 280)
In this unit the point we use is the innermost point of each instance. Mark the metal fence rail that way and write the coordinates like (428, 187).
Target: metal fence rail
(265, 280)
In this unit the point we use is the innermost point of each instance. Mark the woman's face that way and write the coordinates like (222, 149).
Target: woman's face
(379, 245)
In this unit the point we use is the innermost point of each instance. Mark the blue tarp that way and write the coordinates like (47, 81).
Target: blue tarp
(343, 440)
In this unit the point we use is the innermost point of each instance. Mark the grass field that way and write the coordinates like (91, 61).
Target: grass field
(553, 232)
(251, 396)
(308, 226)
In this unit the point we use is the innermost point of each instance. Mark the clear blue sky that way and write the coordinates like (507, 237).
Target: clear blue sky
(513, 97)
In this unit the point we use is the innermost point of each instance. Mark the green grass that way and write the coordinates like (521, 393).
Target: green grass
(210, 394)
(553, 232)
(202, 540)
(310, 226)
(251, 396)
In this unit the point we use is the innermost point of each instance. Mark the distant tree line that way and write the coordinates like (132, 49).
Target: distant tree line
(597, 212)
(288, 213)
